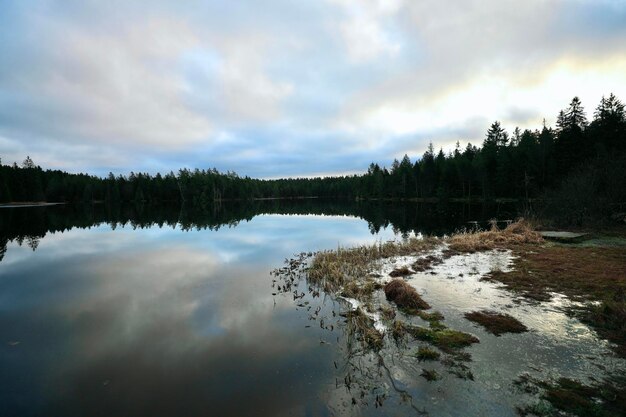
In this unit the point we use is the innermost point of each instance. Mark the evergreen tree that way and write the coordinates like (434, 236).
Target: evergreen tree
(28, 163)
(570, 148)
(607, 129)
(575, 115)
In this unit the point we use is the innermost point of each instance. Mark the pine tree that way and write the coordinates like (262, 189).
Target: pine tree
(496, 136)
(573, 117)
(610, 110)
(570, 147)
(28, 163)
(608, 127)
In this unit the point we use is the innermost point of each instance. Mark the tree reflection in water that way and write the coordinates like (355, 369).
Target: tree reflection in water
(31, 224)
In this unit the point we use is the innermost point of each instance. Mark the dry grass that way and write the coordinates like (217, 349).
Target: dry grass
(578, 272)
(405, 296)
(399, 331)
(403, 271)
(334, 269)
(518, 233)
(387, 313)
(496, 323)
(424, 264)
(360, 290)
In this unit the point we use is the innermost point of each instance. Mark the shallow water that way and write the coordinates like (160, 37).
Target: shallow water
(556, 344)
(147, 320)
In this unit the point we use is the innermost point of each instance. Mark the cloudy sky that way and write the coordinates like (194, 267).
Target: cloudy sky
(290, 88)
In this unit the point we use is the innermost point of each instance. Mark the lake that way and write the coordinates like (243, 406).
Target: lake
(161, 311)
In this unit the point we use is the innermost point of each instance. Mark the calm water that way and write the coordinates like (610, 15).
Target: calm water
(161, 312)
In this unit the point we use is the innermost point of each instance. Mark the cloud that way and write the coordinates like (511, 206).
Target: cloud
(106, 87)
(512, 97)
(284, 88)
(363, 29)
(231, 83)
(517, 63)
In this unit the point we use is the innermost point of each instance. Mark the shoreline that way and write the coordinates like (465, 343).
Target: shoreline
(378, 283)
(30, 204)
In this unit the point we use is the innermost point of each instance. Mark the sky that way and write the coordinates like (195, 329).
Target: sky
(282, 88)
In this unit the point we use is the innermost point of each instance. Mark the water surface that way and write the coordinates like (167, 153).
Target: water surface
(139, 311)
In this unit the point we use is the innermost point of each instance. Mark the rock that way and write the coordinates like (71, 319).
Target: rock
(565, 237)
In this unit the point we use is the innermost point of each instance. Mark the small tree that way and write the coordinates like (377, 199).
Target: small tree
(28, 163)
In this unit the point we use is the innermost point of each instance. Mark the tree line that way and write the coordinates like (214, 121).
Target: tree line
(518, 164)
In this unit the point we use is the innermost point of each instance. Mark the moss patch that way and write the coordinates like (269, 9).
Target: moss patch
(444, 338)
(433, 317)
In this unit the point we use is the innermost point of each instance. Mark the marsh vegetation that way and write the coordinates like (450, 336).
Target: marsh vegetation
(496, 323)
(388, 313)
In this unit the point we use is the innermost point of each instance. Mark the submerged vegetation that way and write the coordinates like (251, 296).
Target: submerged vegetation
(609, 319)
(363, 326)
(564, 395)
(430, 374)
(427, 354)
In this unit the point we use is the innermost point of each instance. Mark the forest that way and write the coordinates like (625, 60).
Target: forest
(575, 168)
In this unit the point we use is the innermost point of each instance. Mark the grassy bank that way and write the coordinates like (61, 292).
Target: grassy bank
(594, 275)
